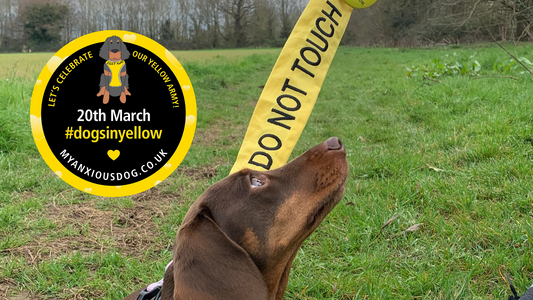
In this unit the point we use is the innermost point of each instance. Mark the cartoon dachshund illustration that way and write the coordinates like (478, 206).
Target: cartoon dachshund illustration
(114, 80)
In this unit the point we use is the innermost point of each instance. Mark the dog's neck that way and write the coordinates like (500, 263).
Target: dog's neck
(278, 277)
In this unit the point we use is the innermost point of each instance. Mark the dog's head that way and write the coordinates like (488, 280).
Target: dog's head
(258, 220)
(114, 49)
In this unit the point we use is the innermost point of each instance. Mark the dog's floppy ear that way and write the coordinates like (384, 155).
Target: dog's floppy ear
(210, 266)
(124, 51)
(104, 50)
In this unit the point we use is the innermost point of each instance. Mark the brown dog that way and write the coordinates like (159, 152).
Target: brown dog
(238, 240)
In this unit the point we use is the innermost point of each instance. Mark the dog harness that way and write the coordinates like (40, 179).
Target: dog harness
(153, 291)
(115, 67)
(527, 296)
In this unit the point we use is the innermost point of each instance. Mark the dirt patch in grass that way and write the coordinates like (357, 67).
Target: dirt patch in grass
(83, 227)
(9, 292)
(218, 134)
(207, 137)
(199, 173)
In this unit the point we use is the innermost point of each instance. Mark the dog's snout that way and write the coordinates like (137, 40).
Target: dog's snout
(334, 143)
(114, 50)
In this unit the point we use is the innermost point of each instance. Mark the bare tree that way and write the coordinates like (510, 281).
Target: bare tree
(9, 33)
(263, 29)
(284, 16)
(238, 13)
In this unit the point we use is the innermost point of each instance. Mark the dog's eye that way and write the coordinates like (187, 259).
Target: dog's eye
(117, 41)
(256, 182)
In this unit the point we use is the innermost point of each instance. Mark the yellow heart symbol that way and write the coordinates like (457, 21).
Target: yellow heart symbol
(130, 38)
(59, 174)
(38, 82)
(54, 62)
(113, 154)
(173, 59)
(189, 121)
(118, 187)
(167, 166)
(36, 127)
(186, 87)
(88, 190)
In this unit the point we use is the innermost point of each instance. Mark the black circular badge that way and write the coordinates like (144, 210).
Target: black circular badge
(113, 113)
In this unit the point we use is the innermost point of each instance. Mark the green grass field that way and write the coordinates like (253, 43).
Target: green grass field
(455, 156)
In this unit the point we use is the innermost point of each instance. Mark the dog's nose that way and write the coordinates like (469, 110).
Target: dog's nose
(114, 50)
(334, 143)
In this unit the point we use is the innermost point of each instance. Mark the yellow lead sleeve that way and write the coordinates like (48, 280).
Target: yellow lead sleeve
(291, 90)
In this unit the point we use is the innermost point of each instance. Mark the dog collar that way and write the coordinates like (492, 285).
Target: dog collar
(153, 291)
(528, 295)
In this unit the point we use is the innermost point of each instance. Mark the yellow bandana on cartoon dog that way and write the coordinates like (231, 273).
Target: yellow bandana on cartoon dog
(116, 68)
(293, 86)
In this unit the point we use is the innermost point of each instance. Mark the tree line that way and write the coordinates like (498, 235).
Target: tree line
(418, 22)
(41, 25)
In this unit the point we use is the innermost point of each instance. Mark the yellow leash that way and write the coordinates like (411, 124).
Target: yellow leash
(291, 90)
